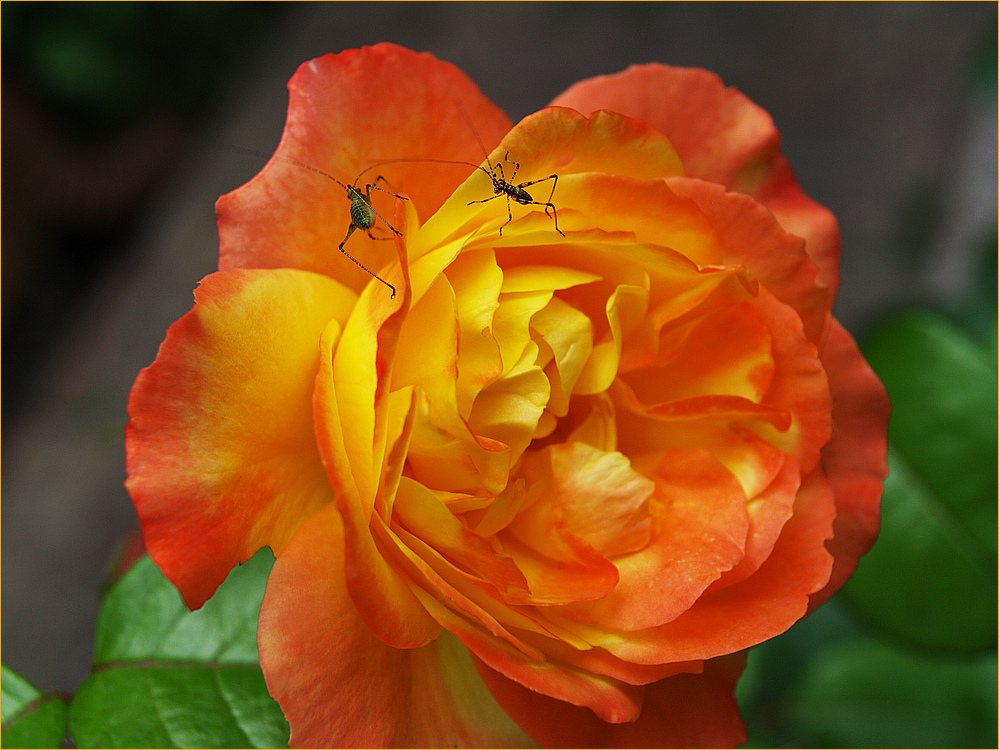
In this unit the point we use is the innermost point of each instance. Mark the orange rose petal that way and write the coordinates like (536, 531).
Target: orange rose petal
(599, 661)
(442, 461)
(356, 376)
(612, 700)
(624, 309)
(597, 425)
(488, 724)
(423, 514)
(567, 336)
(460, 503)
(679, 305)
(559, 567)
(727, 133)
(700, 526)
(447, 592)
(446, 453)
(381, 593)
(600, 369)
(509, 409)
(476, 280)
(598, 497)
(400, 419)
(339, 686)
(854, 460)
(542, 277)
(650, 210)
(675, 284)
(345, 409)
(734, 407)
(727, 353)
(719, 426)
(758, 608)
(562, 140)
(343, 115)
(799, 385)
(721, 137)
(511, 325)
(562, 143)
(493, 460)
(753, 460)
(501, 510)
(427, 352)
(715, 130)
(802, 216)
(749, 236)
(427, 267)
(221, 457)
(768, 511)
(326, 416)
(688, 710)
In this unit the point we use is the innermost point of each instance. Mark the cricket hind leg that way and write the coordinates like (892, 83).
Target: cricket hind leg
(358, 263)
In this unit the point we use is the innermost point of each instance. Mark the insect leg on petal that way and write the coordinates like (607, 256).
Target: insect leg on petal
(362, 212)
(362, 216)
(502, 187)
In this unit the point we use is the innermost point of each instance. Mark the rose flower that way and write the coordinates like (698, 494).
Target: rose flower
(554, 487)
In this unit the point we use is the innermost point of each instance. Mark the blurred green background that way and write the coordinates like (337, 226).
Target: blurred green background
(122, 124)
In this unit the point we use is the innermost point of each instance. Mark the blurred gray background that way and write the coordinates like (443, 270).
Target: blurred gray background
(887, 111)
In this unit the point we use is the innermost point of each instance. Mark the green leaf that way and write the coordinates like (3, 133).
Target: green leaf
(943, 390)
(867, 694)
(922, 580)
(161, 706)
(931, 576)
(143, 618)
(168, 677)
(30, 718)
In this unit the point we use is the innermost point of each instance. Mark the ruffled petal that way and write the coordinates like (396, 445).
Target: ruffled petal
(726, 353)
(749, 236)
(339, 686)
(716, 130)
(687, 710)
(755, 609)
(700, 525)
(800, 385)
(344, 114)
(802, 216)
(792, 415)
(477, 281)
(559, 143)
(221, 455)
(353, 419)
(424, 515)
(768, 511)
(601, 499)
(855, 459)
(721, 136)
(614, 701)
